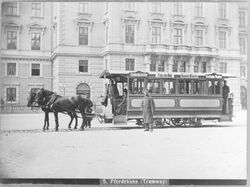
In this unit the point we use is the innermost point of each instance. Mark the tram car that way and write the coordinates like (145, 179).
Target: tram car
(180, 98)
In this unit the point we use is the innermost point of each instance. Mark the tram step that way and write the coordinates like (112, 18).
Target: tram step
(226, 117)
(120, 120)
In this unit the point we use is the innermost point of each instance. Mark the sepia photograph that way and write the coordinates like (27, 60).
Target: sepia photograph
(116, 93)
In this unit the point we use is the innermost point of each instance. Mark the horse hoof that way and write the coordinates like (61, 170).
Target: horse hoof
(56, 129)
(43, 129)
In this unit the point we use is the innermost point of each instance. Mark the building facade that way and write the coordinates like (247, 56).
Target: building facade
(64, 46)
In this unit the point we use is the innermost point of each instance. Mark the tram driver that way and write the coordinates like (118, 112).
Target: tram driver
(113, 94)
(225, 92)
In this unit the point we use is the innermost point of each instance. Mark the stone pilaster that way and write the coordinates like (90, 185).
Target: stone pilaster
(191, 64)
(212, 65)
(147, 62)
(170, 64)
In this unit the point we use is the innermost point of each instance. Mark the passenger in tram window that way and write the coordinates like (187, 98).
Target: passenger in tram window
(225, 92)
(172, 91)
(217, 88)
(211, 88)
(182, 88)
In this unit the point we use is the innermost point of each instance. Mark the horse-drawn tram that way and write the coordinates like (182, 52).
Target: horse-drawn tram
(180, 98)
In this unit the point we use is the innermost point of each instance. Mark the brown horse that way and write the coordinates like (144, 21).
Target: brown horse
(58, 104)
(46, 110)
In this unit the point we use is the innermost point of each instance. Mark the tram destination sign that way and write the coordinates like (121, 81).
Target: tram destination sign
(138, 74)
(164, 75)
(189, 76)
(213, 76)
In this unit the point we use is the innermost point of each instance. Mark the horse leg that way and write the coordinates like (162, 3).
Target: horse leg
(56, 120)
(83, 120)
(45, 121)
(75, 116)
(71, 119)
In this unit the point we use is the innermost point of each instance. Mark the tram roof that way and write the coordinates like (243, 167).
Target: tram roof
(112, 74)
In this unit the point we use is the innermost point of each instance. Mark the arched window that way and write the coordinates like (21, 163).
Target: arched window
(83, 89)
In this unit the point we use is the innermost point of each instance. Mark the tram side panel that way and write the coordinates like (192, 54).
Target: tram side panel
(206, 107)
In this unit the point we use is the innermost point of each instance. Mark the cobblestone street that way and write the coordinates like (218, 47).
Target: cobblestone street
(213, 151)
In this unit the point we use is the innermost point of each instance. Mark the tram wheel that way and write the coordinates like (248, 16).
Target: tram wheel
(177, 121)
(196, 122)
(108, 120)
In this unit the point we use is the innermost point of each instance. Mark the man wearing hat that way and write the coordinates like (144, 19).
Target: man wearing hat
(148, 109)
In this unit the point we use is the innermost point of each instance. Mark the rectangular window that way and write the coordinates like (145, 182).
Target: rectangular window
(36, 9)
(199, 9)
(196, 66)
(35, 69)
(11, 69)
(156, 35)
(84, 7)
(136, 85)
(83, 35)
(168, 87)
(36, 41)
(83, 66)
(222, 67)
(130, 6)
(222, 39)
(184, 87)
(178, 8)
(12, 8)
(161, 66)
(130, 34)
(11, 95)
(242, 43)
(242, 71)
(222, 10)
(177, 36)
(198, 37)
(203, 67)
(175, 66)
(11, 40)
(130, 64)
(242, 18)
(153, 65)
(156, 7)
(182, 66)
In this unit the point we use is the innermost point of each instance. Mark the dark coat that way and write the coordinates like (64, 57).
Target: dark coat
(148, 109)
(225, 91)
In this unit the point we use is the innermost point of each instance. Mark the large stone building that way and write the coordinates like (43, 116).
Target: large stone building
(64, 46)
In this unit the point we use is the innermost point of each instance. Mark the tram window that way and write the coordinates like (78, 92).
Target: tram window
(213, 87)
(120, 88)
(198, 87)
(185, 87)
(154, 86)
(136, 85)
(168, 87)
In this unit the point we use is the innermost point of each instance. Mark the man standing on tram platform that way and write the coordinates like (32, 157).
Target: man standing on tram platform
(148, 109)
(113, 93)
(225, 92)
